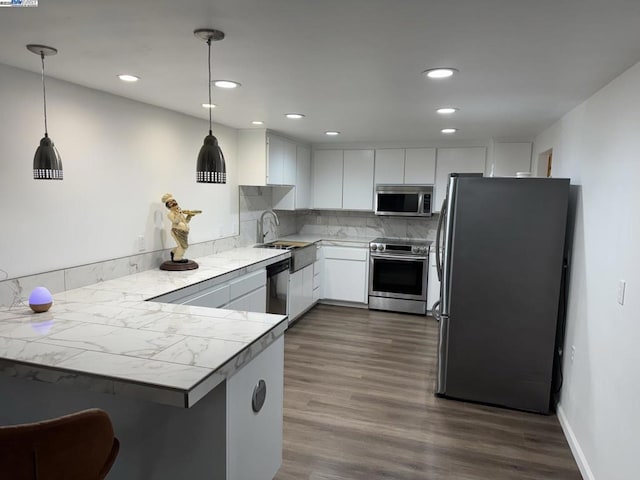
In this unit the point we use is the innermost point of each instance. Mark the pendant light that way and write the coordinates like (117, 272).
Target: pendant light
(47, 164)
(211, 167)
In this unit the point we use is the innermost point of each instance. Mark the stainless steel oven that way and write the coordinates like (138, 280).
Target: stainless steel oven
(398, 274)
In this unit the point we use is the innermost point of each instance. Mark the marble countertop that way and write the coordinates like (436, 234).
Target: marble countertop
(107, 337)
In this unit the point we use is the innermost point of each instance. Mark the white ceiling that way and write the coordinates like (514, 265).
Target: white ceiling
(348, 65)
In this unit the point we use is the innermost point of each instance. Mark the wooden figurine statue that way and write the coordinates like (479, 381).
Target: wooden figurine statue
(180, 232)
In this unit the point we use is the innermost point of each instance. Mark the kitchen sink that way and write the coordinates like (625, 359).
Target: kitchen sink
(302, 253)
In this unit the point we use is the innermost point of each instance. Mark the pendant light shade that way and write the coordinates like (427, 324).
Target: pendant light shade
(47, 164)
(211, 166)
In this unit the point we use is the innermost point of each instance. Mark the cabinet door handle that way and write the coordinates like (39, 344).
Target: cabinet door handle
(259, 396)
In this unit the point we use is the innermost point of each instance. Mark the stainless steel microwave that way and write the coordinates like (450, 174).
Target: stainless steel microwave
(404, 200)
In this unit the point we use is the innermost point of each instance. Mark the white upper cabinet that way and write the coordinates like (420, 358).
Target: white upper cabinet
(409, 166)
(265, 158)
(326, 180)
(342, 179)
(281, 159)
(456, 160)
(357, 186)
(510, 158)
(389, 166)
(275, 160)
(420, 166)
(303, 177)
(298, 197)
(289, 162)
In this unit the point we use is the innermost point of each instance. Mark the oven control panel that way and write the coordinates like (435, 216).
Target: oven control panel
(401, 249)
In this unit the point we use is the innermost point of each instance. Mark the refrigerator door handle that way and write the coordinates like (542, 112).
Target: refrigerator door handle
(441, 378)
(435, 310)
(443, 213)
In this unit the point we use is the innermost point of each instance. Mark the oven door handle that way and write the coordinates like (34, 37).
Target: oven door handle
(406, 258)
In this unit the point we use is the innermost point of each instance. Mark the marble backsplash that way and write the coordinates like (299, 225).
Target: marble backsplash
(15, 292)
(365, 224)
(253, 201)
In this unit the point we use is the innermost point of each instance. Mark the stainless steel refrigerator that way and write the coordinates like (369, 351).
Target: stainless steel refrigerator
(500, 254)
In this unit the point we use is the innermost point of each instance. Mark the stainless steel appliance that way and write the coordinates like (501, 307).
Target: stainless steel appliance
(398, 274)
(278, 287)
(501, 264)
(404, 200)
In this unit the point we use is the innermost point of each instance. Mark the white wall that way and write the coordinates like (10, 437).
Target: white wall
(598, 146)
(119, 157)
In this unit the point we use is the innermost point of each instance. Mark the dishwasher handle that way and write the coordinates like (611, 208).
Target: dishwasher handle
(278, 267)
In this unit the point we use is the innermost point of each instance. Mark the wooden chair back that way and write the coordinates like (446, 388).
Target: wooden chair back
(79, 446)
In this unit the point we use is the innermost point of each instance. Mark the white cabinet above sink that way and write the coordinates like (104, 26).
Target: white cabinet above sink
(266, 158)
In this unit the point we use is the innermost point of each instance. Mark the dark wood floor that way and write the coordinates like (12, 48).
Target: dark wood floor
(359, 404)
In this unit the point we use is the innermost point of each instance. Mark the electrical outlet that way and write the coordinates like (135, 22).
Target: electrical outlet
(141, 244)
(573, 352)
(621, 287)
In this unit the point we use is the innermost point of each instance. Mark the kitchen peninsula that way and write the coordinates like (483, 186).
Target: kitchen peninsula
(178, 381)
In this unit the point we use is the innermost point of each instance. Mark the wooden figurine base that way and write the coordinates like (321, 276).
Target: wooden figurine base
(179, 266)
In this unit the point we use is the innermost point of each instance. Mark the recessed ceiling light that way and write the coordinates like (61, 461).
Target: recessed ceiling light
(128, 78)
(332, 133)
(441, 72)
(446, 110)
(209, 105)
(449, 130)
(226, 84)
(257, 122)
(293, 115)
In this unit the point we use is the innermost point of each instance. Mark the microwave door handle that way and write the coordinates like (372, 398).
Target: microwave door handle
(443, 213)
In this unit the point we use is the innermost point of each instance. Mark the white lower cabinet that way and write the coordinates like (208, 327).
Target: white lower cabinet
(307, 286)
(214, 297)
(317, 280)
(295, 295)
(246, 293)
(345, 273)
(300, 291)
(255, 301)
(254, 439)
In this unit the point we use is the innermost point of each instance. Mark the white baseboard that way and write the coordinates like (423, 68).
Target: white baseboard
(576, 450)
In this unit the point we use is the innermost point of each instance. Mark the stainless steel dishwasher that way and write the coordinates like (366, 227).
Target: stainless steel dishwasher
(278, 287)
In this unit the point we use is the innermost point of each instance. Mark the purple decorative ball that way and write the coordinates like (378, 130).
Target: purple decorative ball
(40, 300)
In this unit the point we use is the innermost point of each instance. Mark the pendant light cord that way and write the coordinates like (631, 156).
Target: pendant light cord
(44, 94)
(210, 104)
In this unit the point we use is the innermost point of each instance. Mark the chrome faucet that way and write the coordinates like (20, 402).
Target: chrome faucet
(261, 233)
